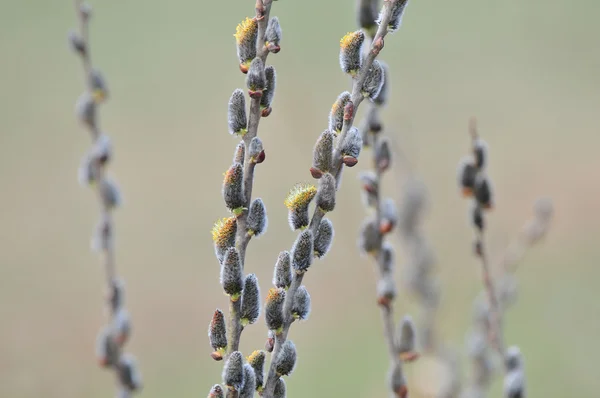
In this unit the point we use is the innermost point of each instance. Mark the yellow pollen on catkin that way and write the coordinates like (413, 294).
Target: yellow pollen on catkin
(300, 195)
(244, 29)
(223, 229)
(348, 40)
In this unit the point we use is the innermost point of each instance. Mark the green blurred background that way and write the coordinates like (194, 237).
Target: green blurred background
(528, 69)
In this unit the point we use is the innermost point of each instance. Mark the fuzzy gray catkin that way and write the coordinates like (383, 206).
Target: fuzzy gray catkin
(301, 305)
(302, 251)
(405, 336)
(326, 193)
(322, 154)
(236, 114)
(257, 361)
(397, 13)
(297, 202)
(286, 360)
(269, 92)
(216, 392)
(324, 238)
(274, 308)
(384, 93)
(353, 143)
(336, 115)
(250, 300)
(249, 387)
(374, 81)
(240, 153)
(233, 188)
(255, 149)
(280, 390)
(367, 11)
(383, 155)
(282, 274)
(232, 278)
(128, 373)
(217, 331)
(351, 52)
(256, 80)
(369, 236)
(273, 35)
(233, 371)
(256, 222)
(246, 37)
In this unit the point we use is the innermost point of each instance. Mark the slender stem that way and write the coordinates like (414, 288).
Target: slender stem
(263, 9)
(494, 334)
(98, 170)
(356, 98)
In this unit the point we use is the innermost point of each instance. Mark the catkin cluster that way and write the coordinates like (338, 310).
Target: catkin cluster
(486, 335)
(92, 172)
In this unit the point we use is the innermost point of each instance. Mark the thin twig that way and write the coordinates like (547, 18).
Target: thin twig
(263, 9)
(318, 214)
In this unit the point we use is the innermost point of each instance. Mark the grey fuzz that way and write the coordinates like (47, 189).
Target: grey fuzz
(85, 109)
(249, 382)
(397, 13)
(483, 192)
(246, 37)
(405, 336)
(326, 193)
(389, 215)
(217, 331)
(336, 116)
(467, 172)
(107, 350)
(98, 83)
(396, 379)
(301, 306)
(386, 259)
(384, 93)
(369, 237)
(269, 92)
(322, 154)
(286, 359)
(352, 143)
(270, 343)
(76, 42)
(273, 35)
(256, 79)
(280, 389)
(282, 274)
(85, 9)
(121, 325)
(85, 172)
(383, 154)
(224, 232)
(256, 223)
(216, 392)
(513, 359)
(233, 187)
(232, 278)
(351, 52)
(233, 371)
(373, 81)
(274, 308)
(324, 238)
(480, 153)
(257, 361)
(302, 251)
(102, 149)
(236, 113)
(370, 187)
(250, 300)
(240, 152)
(299, 217)
(128, 372)
(111, 196)
(255, 148)
(386, 289)
(367, 13)
(514, 384)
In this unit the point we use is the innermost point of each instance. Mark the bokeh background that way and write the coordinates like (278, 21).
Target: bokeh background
(528, 69)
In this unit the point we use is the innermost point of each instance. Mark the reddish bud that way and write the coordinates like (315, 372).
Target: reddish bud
(349, 161)
(244, 68)
(255, 94)
(261, 157)
(316, 173)
(349, 111)
(266, 112)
